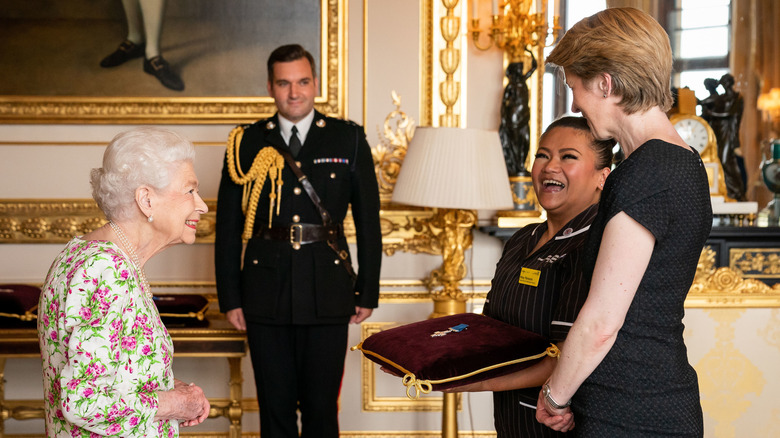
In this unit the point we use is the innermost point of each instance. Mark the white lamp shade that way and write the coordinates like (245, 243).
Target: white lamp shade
(454, 168)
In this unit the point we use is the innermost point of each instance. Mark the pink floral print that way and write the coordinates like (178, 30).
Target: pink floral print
(104, 349)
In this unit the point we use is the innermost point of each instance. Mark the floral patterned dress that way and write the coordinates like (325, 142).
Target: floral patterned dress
(105, 350)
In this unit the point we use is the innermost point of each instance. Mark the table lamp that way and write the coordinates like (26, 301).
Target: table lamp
(456, 171)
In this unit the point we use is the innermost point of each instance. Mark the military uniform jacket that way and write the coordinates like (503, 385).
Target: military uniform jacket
(280, 285)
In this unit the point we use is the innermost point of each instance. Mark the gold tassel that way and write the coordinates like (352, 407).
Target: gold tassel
(279, 183)
(272, 195)
(267, 160)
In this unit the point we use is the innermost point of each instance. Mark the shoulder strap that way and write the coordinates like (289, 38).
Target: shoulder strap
(326, 219)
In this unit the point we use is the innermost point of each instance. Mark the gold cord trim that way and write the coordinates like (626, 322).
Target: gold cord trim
(200, 315)
(425, 386)
(26, 317)
(267, 163)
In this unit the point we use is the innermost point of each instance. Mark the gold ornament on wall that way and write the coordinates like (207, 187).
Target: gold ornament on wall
(390, 153)
(449, 58)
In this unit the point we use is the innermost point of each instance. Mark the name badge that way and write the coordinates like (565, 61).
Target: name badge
(529, 277)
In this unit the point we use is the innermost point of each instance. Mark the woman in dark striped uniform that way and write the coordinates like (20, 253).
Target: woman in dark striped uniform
(538, 284)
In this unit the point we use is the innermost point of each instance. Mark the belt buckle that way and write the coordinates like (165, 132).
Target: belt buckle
(295, 241)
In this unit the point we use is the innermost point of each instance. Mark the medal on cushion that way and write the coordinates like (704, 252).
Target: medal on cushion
(454, 329)
(529, 277)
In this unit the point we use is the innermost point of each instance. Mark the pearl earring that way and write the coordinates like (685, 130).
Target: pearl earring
(150, 219)
(605, 95)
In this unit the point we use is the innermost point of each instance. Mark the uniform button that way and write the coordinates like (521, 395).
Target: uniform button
(296, 218)
(254, 262)
(297, 190)
(298, 163)
(336, 262)
(332, 175)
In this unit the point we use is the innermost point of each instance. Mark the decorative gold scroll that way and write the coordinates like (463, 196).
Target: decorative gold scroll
(390, 153)
(725, 287)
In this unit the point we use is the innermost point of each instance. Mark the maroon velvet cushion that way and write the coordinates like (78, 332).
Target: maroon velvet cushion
(18, 305)
(486, 348)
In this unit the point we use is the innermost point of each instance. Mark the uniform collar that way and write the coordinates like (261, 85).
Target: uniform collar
(285, 126)
(580, 223)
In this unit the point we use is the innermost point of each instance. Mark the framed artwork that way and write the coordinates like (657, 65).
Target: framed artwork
(52, 52)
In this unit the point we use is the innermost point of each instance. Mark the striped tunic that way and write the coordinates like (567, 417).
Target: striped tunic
(548, 308)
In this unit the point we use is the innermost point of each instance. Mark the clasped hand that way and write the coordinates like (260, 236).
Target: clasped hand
(561, 420)
(185, 403)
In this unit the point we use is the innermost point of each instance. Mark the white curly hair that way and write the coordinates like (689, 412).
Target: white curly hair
(134, 158)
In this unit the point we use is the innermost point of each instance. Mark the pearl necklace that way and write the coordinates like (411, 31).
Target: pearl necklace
(131, 250)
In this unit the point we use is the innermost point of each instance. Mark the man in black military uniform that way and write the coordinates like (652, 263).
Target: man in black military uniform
(294, 294)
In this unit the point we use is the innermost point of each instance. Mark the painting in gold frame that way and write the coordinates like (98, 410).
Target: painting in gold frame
(204, 99)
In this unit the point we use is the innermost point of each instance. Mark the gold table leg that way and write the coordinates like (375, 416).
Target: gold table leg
(4, 413)
(235, 411)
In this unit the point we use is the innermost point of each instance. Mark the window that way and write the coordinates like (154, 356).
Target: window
(557, 97)
(700, 32)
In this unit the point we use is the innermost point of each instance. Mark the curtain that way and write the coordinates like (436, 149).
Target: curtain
(755, 64)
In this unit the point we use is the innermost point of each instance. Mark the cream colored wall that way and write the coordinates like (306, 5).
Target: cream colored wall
(735, 351)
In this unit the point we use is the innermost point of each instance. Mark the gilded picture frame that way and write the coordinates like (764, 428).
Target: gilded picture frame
(22, 105)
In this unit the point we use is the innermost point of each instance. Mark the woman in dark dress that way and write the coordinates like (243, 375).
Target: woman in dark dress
(568, 174)
(624, 368)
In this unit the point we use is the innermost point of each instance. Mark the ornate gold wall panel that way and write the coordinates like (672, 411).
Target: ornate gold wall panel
(443, 62)
(758, 263)
(58, 220)
(188, 110)
(725, 287)
(426, 57)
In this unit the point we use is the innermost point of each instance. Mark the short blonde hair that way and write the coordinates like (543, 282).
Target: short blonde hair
(630, 46)
(140, 156)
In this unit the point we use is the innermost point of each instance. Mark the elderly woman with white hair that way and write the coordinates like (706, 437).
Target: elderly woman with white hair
(107, 357)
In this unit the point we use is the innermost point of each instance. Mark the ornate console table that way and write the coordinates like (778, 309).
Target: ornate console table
(753, 252)
(741, 262)
(219, 339)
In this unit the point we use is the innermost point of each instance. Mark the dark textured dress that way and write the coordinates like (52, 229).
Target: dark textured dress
(548, 308)
(645, 386)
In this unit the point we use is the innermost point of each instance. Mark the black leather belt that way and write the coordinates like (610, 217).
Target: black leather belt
(301, 234)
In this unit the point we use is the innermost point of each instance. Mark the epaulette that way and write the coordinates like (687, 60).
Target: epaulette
(330, 119)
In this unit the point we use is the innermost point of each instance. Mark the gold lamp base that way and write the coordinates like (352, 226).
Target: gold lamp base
(452, 229)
